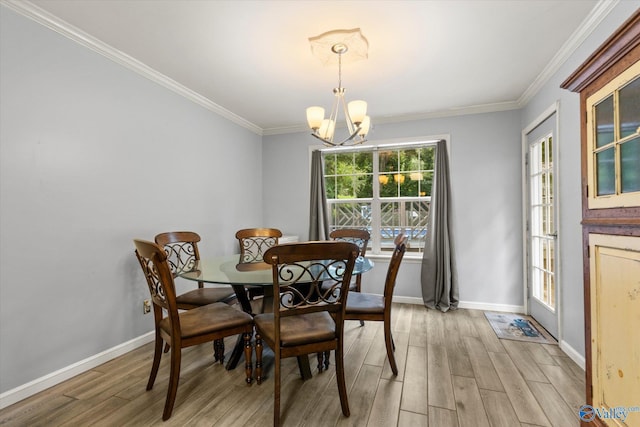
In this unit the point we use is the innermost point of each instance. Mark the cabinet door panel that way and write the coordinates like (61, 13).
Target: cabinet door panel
(615, 316)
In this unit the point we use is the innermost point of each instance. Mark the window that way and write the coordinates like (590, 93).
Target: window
(613, 142)
(385, 189)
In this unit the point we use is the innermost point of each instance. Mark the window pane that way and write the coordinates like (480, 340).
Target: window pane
(388, 161)
(604, 122)
(329, 164)
(363, 161)
(350, 214)
(606, 172)
(404, 177)
(630, 165)
(344, 163)
(330, 187)
(630, 108)
(345, 187)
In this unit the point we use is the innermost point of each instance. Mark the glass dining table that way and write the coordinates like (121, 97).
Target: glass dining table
(229, 270)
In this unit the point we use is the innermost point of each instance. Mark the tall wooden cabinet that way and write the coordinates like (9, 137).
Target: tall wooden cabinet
(609, 87)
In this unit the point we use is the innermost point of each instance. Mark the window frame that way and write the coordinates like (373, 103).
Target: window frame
(617, 198)
(376, 201)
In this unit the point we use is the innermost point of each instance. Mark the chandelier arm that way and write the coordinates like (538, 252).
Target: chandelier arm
(352, 136)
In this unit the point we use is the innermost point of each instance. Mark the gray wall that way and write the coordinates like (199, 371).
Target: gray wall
(569, 198)
(93, 155)
(486, 182)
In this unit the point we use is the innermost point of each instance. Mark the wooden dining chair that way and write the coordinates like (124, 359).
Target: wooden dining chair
(363, 306)
(361, 238)
(310, 320)
(182, 329)
(182, 253)
(254, 242)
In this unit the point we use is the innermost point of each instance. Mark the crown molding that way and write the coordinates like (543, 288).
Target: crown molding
(56, 24)
(451, 112)
(597, 14)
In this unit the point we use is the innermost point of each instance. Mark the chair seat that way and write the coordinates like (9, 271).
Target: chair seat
(298, 330)
(326, 285)
(208, 319)
(203, 296)
(360, 303)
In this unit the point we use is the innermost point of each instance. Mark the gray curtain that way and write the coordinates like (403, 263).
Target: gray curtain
(438, 275)
(318, 219)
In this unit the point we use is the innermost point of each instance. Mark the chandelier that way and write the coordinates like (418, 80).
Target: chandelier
(345, 45)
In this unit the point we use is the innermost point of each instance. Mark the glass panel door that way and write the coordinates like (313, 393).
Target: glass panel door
(541, 220)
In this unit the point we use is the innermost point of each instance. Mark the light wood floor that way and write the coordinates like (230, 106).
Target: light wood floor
(453, 371)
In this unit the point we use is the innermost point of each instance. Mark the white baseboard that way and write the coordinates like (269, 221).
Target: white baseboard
(39, 384)
(573, 354)
(507, 308)
(467, 304)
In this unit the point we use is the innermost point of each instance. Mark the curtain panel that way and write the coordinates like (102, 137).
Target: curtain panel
(318, 216)
(438, 273)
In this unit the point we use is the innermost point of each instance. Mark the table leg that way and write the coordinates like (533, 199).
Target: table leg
(267, 306)
(238, 349)
(305, 368)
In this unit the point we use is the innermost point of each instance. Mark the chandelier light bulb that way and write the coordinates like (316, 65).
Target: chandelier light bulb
(315, 115)
(357, 111)
(327, 128)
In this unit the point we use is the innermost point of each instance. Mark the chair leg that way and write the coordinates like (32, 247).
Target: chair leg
(327, 354)
(276, 390)
(258, 358)
(247, 356)
(157, 355)
(166, 347)
(388, 341)
(361, 323)
(320, 357)
(218, 350)
(174, 378)
(342, 387)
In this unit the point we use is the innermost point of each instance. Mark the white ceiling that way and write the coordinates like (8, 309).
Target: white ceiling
(251, 60)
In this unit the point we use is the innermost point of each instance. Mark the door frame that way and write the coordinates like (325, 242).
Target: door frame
(548, 112)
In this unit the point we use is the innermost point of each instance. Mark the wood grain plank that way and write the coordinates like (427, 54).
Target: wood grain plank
(571, 391)
(419, 328)
(411, 419)
(555, 408)
(524, 362)
(523, 401)
(571, 368)
(459, 362)
(361, 396)
(435, 327)
(401, 340)
(414, 394)
(440, 388)
(484, 372)
(386, 404)
(440, 417)
(498, 408)
(488, 336)
(469, 404)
